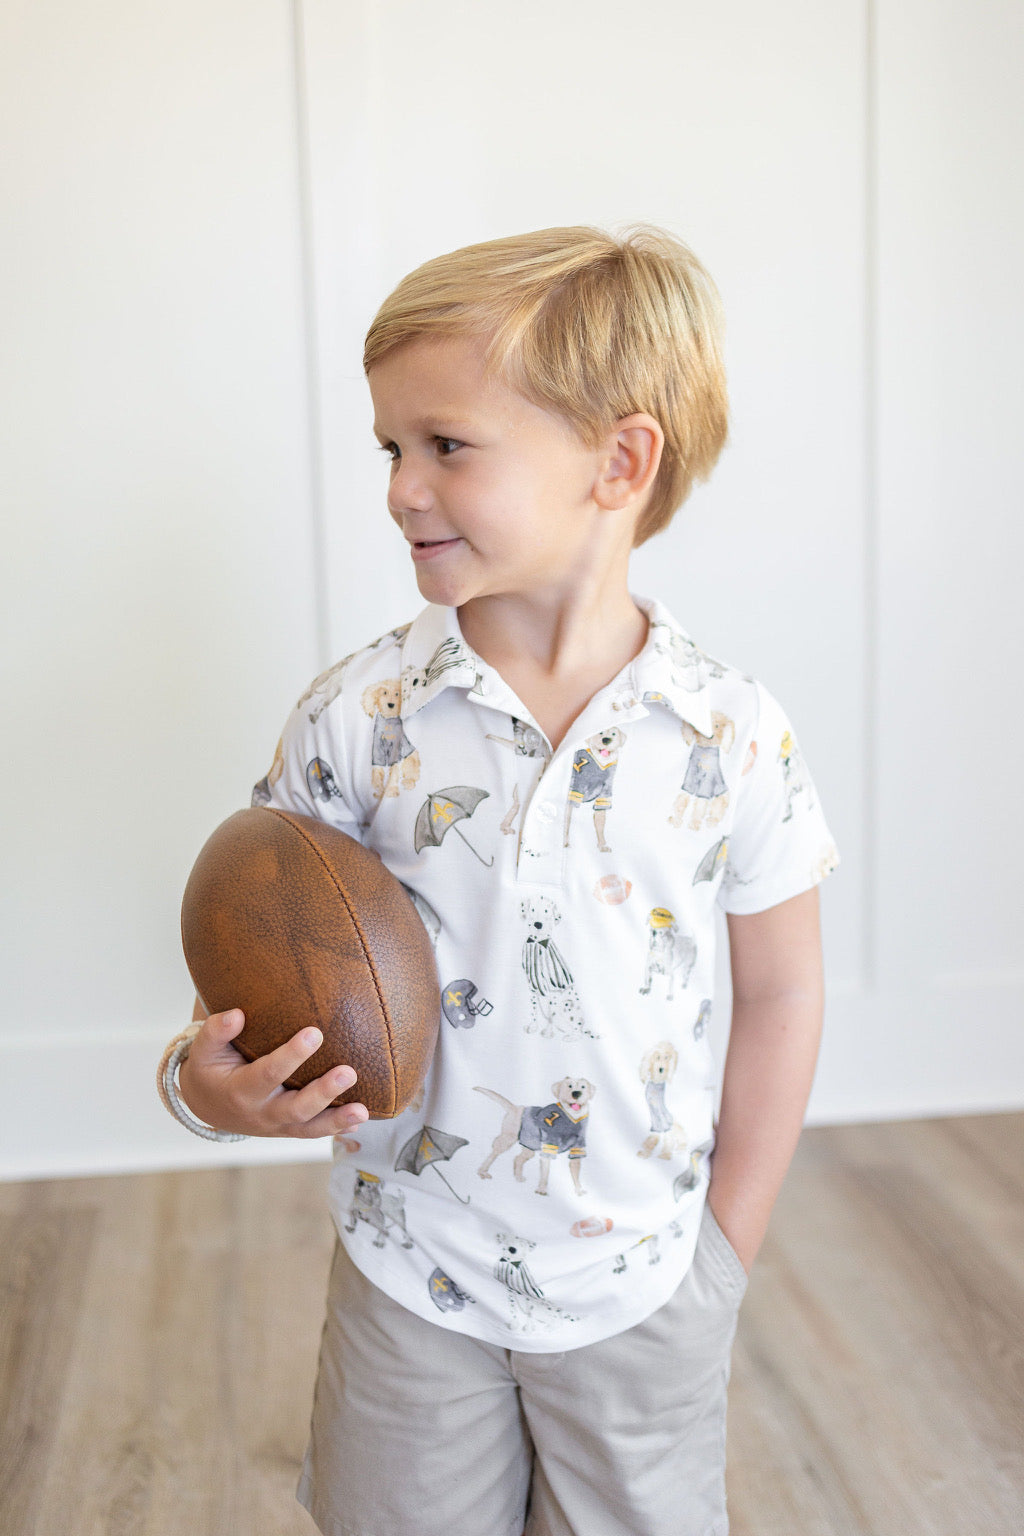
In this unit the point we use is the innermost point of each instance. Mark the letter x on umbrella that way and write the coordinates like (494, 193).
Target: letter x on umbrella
(441, 811)
(428, 1148)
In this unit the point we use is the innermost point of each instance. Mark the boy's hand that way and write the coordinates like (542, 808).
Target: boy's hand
(232, 1094)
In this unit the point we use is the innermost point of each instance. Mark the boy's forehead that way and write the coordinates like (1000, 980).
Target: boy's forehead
(443, 360)
(438, 382)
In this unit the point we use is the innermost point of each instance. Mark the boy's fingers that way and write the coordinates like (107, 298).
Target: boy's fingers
(307, 1112)
(272, 1070)
(253, 1093)
(337, 1122)
(315, 1097)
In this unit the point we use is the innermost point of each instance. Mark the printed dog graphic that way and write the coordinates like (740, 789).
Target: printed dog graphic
(670, 952)
(593, 773)
(650, 1245)
(704, 786)
(327, 687)
(528, 1305)
(657, 1069)
(549, 1129)
(380, 1207)
(394, 757)
(553, 998)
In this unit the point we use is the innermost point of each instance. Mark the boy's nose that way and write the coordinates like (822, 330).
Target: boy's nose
(407, 491)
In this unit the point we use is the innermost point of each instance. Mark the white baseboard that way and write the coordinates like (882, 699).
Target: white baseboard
(72, 1106)
(942, 1049)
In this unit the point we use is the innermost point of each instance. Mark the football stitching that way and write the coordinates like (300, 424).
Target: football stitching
(283, 816)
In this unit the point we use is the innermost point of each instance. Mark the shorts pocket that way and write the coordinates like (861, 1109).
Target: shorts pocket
(721, 1256)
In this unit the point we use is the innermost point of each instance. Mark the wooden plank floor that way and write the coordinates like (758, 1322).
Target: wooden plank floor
(158, 1339)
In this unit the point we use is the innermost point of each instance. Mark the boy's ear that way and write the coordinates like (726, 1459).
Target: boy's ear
(634, 448)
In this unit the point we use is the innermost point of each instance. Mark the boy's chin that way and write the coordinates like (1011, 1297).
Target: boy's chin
(446, 587)
(434, 588)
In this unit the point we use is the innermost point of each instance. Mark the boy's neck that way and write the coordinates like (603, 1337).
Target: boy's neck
(557, 649)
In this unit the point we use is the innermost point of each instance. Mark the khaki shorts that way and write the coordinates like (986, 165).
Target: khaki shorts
(418, 1431)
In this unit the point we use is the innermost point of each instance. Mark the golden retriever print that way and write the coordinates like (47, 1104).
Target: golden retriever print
(395, 761)
(549, 1129)
(593, 772)
(704, 787)
(657, 1069)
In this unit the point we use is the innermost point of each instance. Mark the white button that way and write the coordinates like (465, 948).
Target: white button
(546, 811)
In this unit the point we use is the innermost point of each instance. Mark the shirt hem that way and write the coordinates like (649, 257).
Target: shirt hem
(670, 1277)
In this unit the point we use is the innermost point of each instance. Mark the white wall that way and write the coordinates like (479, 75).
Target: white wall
(207, 208)
(156, 574)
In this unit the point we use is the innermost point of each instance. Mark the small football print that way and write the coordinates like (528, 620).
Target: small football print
(591, 1226)
(612, 889)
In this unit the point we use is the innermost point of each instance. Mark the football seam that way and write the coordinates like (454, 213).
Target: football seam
(283, 816)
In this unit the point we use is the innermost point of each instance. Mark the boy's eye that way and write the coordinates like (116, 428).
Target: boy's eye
(446, 445)
(392, 450)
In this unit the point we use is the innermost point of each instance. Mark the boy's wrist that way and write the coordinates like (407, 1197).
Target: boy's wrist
(175, 1054)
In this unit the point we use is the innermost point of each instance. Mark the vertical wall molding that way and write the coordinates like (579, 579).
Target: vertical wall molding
(311, 335)
(872, 553)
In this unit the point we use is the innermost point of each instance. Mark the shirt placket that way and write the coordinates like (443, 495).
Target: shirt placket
(541, 852)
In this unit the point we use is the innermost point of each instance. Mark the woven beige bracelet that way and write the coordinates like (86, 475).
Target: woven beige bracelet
(167, 1088)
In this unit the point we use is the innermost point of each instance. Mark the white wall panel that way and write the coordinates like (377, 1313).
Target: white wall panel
(950, 335)
(155, 581)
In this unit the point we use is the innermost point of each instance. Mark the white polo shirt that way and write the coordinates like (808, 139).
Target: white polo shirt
(547, 1189)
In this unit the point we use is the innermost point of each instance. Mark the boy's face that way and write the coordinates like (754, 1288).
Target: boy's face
(491, 491)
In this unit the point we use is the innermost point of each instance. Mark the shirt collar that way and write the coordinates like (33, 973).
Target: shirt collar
(435, 657)
(670, 671)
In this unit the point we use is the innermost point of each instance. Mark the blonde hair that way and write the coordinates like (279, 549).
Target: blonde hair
(591, 326)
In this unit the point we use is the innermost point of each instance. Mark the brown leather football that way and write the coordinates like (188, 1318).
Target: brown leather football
(296, 923)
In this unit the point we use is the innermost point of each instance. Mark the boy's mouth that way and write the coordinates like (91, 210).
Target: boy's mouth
(425, 549)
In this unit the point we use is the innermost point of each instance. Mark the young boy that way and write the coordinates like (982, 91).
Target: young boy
(539, 1266)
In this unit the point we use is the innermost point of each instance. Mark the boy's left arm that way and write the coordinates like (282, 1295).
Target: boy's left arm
(778, 1003)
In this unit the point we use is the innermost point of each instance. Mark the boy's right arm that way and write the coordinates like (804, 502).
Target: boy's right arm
(232, 1094)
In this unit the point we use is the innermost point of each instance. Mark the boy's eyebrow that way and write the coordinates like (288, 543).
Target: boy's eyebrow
(434, 426)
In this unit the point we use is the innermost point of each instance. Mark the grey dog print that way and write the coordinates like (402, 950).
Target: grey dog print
(670, 952)
(381, 1208)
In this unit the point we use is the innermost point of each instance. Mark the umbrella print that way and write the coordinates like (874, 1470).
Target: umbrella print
(443, 810)
(691, 1176)
(712, 861)
(428, 1148)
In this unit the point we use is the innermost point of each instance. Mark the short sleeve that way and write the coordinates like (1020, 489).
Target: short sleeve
(780, 844)
(309, 774)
